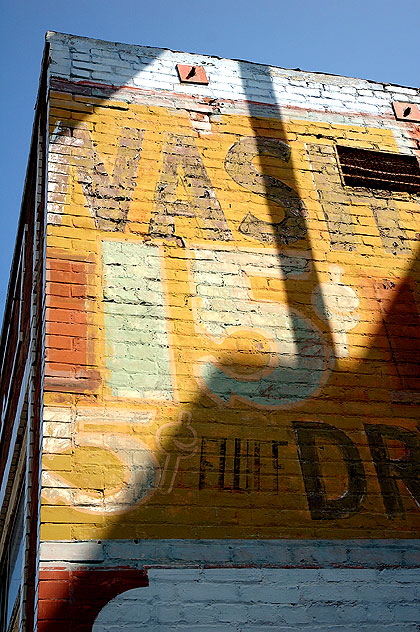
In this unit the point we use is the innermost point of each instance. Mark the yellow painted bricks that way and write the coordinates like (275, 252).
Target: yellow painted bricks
(232, 334)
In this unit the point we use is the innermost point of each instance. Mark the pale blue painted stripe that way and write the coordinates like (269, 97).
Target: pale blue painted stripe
(375, 554)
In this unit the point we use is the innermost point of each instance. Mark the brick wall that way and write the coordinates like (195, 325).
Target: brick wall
(286, 599)
(232, 345)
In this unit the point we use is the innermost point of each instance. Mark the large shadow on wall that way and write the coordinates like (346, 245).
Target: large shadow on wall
(287, 361)
(398, 335)
(229, 427)
(393, 355)
(273, 353)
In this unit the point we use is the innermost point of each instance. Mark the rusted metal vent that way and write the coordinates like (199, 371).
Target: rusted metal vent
(379, 170)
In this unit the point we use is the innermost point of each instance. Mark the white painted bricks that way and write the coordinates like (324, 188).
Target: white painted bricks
(272, 599)
(71, 551)
(142, 67)
(350, 554)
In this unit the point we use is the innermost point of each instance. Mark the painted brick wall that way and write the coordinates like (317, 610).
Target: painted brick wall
(286, 599)
(232, 349)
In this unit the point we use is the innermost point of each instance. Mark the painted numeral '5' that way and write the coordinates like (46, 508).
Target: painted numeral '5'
(298, 358)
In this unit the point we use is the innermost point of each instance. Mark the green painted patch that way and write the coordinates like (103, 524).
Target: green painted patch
(137, 356)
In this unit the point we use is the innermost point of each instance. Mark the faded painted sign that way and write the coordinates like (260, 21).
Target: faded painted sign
(232, 333)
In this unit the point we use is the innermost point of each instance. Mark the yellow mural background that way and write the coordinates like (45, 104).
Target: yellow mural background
(357, 391)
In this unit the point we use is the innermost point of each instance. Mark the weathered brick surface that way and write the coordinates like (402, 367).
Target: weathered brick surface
(232, 338)
(272, 599)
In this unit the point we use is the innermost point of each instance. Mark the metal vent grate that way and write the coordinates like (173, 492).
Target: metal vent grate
(379, 170)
